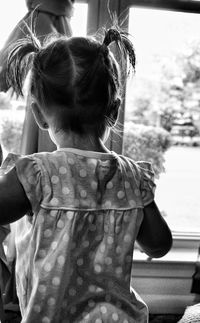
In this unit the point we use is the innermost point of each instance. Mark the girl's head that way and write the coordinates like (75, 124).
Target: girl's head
(75, 82)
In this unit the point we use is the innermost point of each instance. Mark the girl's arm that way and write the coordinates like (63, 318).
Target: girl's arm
(13, 201)
(154, 235)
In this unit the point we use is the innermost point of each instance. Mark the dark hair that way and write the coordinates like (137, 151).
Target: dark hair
(79, 76)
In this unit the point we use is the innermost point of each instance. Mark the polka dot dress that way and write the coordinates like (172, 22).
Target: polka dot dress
(74, 254)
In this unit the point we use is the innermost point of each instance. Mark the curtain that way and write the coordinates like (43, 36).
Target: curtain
(53, 16)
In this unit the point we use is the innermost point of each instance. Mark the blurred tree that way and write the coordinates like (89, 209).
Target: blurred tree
(4, 101)
(180, 82)
(146, 143)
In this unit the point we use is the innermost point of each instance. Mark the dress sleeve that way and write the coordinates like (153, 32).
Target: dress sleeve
(29, 175)
(147, 184)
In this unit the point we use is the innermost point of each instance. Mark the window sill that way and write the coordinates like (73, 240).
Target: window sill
(176, 255)
(165, 283)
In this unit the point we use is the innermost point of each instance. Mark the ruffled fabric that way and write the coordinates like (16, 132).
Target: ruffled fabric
(148, 185)
(8, 163)
(30, 176)
(142, 179)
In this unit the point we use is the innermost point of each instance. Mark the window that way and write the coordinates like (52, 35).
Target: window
(165, 92)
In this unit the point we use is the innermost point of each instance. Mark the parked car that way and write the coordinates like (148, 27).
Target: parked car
(184, 132)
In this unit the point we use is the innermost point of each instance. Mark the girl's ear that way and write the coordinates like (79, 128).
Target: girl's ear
(39, 117)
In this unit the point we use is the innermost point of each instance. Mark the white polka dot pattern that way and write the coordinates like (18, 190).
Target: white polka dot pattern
(54, 201)
(47, 233)
(98, 321)
(109, 185)
(127, 184)
(79, 281)
(82, 173)
(60, 224)
(120, 194)
(85, 225)
(45, 319)
(65, 190)
(54, 179)
(62, 170)
(56, 281)
(103, 309)
(42, 253)
(94, 185)
(80, 262)
(115, 317)
(71, 161)
(83, 193)
(37, 308)
(61, 260)
(51, 301)
(54, 245)
(42, 289)
(47, 267)
(97, 268)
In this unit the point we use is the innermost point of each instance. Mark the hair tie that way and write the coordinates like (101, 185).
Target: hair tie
(111, 36)
(123, 43)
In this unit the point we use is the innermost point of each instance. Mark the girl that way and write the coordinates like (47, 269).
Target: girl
(85, 206)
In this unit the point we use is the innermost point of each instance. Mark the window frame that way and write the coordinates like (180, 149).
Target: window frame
(168, 279)
(182, 240)
(98, 16)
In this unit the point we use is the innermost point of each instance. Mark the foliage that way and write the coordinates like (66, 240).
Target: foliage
(4, 101)
(11, 132)
(140, 100)
(140, 107)
(172, 89)
(167, 118)
(146, 143)
(191, 64)
(180, 85)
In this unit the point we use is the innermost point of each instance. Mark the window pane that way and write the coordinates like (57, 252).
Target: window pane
(12, 111)
(164, 97)
(10, 13)
(79, 20)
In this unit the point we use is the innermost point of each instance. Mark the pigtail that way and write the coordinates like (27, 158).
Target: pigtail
(20, 59)
(123, 43)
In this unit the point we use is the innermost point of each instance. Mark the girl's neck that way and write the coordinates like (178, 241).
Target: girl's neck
(85, 142)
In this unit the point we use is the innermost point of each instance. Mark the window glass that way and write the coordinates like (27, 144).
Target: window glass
(162, 116)
(79, 19)
(12, 111)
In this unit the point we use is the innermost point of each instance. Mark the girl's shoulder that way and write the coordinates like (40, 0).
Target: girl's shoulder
(140, 169)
